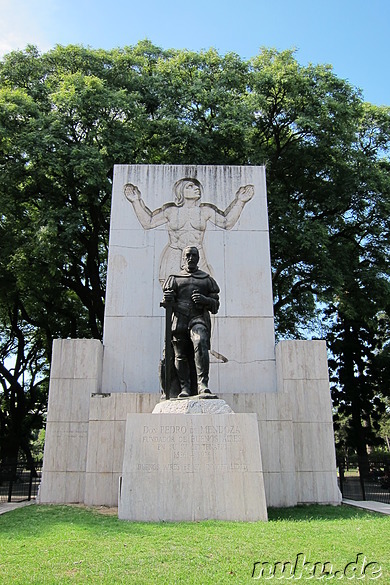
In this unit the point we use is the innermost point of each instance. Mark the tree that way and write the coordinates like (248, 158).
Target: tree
(360, 300)
(384, 425)
(23, 391)
(68, 115)
(306, 119)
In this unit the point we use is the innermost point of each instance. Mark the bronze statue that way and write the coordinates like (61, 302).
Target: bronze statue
(191, 295)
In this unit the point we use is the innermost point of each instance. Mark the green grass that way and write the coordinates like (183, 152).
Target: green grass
(70, 544)
(351, 473)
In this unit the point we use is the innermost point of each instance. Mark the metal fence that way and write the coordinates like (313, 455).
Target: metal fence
(374, 486)
(20, 483)
(17, 485)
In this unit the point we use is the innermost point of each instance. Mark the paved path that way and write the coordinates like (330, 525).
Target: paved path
(369, 505)
(8, 506)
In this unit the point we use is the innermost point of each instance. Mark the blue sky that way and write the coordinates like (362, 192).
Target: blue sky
(352, 35)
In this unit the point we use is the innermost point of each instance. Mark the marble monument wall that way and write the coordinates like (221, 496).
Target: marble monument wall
(145, 248)
(94, 386)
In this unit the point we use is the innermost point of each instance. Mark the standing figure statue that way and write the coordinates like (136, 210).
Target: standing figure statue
(193, 295)
(186, 218)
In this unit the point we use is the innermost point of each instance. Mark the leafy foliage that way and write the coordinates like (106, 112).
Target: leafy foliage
(67, 116)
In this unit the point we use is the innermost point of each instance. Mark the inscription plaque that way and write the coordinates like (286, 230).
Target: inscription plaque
(192, 467)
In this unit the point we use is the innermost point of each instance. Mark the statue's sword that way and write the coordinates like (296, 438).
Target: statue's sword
(168, 346)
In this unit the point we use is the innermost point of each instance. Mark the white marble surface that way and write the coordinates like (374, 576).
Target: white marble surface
(74, 376)
(317, 488)
(280, 489)
(286, 389)
(193, 406)
(302, 360)
(106, 442)
(238, 258)
(184, 467)
(77, 359)
(62, 487)
(302, 373)
(296, 438)
(85, 435)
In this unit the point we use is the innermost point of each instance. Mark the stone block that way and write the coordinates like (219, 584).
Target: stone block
(192, 467)
(119, 446)
(280, 489)
(236, 401)
(74, 487)
(102, 407)
(298, 359)
(101, 489)
(123, 260)
(253, 296)
(193, 406)
(269, 406)
(277, 446)
(69, 399)
(100, 446)
(317, 488)
(134, 402)
(314, 447)
(310, 400)
(52, 487)
(77, 358)
(65, 446)
(126, 368)
(106, 440)
(244, 339)
(257, 376)
(59, 407)
(81, 394)
(59, 487)
(56, 447)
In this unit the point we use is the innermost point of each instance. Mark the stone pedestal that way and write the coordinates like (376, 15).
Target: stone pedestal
(192, 467)
(193, 405)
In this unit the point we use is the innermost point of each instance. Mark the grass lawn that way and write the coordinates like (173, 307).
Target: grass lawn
(71, 544)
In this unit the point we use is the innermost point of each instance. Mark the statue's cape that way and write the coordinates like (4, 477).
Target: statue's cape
(196, 274)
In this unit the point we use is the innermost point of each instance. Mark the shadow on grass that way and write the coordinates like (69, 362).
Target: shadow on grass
(41, 520)
(38, 520)
(304, 513)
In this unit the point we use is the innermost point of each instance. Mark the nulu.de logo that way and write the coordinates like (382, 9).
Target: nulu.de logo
(301, 568)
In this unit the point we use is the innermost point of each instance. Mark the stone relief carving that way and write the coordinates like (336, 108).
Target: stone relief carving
(186, 219)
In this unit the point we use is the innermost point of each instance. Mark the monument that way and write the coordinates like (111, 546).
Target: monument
(189, 297)
(108, 432)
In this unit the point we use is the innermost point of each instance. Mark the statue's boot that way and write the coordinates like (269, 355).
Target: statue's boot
(183, 373)
(202, 364)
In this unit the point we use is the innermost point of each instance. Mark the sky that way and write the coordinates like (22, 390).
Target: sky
(351, 35)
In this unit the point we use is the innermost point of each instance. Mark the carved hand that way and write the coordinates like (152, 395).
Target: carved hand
(245, 193)
(168, 298)
(132, 193)
(199, 299)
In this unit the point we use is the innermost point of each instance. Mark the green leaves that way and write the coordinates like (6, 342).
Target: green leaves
(67, 116)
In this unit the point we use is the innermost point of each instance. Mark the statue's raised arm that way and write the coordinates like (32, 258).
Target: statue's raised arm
(147, 218)
(228, 218)
(186, 219)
